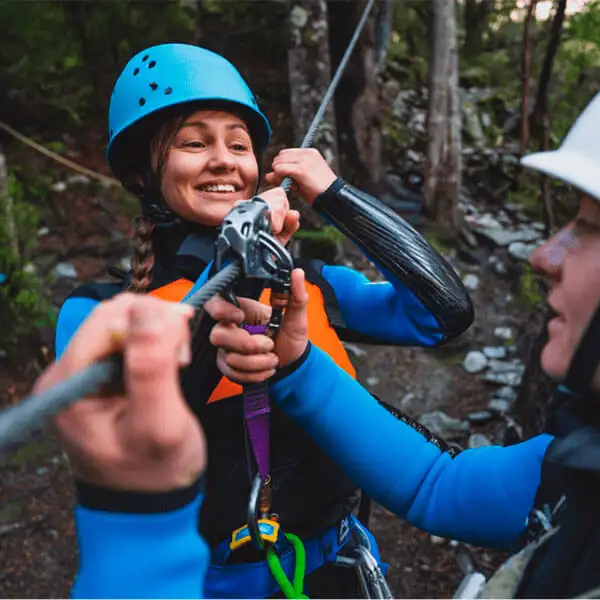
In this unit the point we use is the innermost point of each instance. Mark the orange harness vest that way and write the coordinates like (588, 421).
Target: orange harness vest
(320, 331)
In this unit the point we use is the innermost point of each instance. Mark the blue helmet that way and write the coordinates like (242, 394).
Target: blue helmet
(171, 75)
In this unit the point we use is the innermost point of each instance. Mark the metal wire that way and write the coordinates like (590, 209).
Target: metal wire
(287, 183)
(17, 422)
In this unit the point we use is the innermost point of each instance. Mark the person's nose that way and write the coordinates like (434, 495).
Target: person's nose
(548, 258)
(221, 158)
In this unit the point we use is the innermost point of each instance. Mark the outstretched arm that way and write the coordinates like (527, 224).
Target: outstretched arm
(137, 455)
(481, 496)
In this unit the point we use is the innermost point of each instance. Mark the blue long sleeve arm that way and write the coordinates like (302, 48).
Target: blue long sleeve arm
(482, 496)
(424, 303)
(125, 555)
(78, 307)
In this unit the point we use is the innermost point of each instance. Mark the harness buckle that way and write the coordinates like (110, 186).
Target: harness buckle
(268, 531)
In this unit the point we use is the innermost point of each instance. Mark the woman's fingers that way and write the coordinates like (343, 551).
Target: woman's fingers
(235, 339)
(241, 376)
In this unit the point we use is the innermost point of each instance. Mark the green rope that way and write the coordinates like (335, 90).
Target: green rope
(290, 591)
(300, 568)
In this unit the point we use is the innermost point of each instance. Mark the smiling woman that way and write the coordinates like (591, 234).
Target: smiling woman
(208, 166)
(186, 135)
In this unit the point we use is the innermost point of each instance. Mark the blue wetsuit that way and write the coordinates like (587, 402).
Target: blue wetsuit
(422, 303)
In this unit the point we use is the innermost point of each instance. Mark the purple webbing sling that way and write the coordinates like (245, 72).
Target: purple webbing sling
(256, 416)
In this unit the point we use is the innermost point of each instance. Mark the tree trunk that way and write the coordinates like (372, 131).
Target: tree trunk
(357, 97)
(309, 66)
(475, 20)
(541, 117)
(383, 33)
(7, 210)
(541, 102)
(443, 163)
(526, 64)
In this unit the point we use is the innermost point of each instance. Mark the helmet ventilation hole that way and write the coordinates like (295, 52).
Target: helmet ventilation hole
(136, 71)
(168, 91)
(142, 101)
(153, 85)
(145, 58)
(152, 64)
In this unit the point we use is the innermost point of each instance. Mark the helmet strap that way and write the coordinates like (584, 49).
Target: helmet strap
(586, 358)
(153, 204)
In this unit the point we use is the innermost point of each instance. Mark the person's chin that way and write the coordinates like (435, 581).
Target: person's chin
(553, 361)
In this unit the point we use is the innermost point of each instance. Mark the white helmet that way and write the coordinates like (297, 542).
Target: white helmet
(577, 161)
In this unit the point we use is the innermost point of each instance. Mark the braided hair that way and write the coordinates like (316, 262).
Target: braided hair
(142, 259)
(154, 207)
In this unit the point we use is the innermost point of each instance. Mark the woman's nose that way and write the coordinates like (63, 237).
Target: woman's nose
(221, 158)
(550, 256)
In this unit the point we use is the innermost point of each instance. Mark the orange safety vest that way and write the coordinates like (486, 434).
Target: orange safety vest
(320, 331)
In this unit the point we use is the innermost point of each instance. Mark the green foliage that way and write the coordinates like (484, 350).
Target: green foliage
(31, 453)
(436, 241)
(527, 195)
(23, 295)
(577, 68)
(529, 289)
(65, 56)
(327, 234)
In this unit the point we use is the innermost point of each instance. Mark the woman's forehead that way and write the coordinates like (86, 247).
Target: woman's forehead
(210, 118)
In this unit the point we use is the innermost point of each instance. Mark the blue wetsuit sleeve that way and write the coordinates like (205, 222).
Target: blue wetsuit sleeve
(72, 314)
(140, 555)
(482, 496)
(385, 312)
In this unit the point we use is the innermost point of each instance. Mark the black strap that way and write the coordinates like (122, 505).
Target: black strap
(313, 271)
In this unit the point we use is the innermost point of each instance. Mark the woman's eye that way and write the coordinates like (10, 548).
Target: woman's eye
(239, 147)
(193, 144)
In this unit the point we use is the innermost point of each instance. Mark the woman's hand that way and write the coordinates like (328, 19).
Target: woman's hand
(284, 222)
(307, 167)
(247, 358)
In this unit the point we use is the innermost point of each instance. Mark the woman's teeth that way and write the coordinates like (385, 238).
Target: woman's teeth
(217, 188)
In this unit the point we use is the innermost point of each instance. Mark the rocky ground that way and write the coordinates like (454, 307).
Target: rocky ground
(463, 391)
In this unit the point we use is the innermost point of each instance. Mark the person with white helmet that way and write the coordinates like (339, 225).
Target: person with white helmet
(187, 136)
(484, 495)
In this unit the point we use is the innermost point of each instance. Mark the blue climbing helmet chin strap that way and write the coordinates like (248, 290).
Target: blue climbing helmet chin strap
(160, 81)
